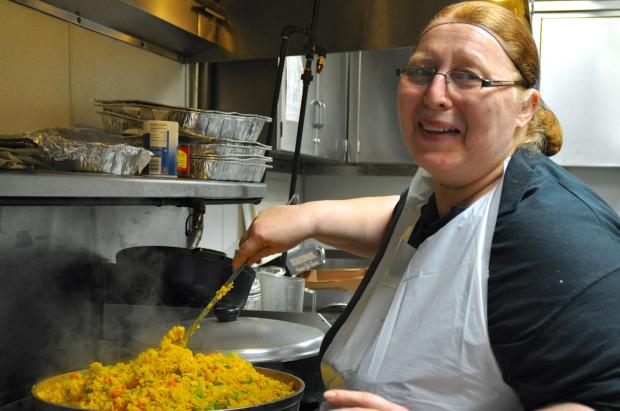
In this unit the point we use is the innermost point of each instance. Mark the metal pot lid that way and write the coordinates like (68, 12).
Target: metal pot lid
(257, 340)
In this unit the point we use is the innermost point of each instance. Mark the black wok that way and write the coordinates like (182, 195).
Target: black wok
(174, 276)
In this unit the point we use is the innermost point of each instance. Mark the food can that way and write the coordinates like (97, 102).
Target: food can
(183, 160)
(162, 138)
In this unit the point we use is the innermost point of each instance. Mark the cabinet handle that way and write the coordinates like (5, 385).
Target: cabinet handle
(316, 113)
(323, 110)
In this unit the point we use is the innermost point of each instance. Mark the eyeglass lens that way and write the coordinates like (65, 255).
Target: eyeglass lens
(422, 76)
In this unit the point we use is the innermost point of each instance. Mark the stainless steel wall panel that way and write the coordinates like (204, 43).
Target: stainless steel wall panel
(374, 130)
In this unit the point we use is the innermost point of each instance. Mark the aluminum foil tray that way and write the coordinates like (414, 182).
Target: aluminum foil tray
(120, 124)
(227, 149)
(213, 168)
(217, 124)
(84, 149)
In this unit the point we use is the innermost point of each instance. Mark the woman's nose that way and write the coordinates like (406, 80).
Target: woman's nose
(436, 94)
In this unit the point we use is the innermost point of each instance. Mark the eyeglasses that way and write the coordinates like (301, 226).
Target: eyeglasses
(462, 80)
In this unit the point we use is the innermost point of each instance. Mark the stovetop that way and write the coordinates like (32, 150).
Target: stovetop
(22, 405)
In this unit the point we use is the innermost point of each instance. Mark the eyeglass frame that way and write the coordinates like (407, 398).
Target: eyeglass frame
(484, 83)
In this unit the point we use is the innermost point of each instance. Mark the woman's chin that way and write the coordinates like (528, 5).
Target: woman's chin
(436, 162)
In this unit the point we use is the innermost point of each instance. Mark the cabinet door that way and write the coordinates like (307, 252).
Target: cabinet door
(374, 130)
(289, 107)
(580, 56)
(324, 132)
(331, 126)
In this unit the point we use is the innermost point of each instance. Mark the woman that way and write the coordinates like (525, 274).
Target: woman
(495, 279)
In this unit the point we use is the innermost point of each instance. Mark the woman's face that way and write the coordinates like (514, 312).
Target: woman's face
(460, 136)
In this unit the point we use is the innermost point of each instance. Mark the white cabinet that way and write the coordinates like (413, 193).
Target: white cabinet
(324, 132)
(579, 45)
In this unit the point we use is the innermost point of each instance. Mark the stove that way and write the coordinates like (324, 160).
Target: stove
(22, 405)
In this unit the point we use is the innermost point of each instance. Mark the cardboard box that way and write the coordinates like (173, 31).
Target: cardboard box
(347, 279)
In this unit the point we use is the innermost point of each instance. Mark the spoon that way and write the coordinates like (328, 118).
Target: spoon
(223, 290)
(219, 294)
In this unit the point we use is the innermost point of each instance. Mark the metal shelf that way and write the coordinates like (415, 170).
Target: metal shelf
(60, 188)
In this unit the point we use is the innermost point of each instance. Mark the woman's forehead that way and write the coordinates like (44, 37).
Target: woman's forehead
(462, 39)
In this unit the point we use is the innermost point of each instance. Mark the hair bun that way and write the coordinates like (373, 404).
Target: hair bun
(552, 131)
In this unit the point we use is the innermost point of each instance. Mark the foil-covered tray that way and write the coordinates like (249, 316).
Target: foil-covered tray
(217, 168)
(218, 124)
(84, 149)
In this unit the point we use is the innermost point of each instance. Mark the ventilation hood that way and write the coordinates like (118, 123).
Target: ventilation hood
(225, 30)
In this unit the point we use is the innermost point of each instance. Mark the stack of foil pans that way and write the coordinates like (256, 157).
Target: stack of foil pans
(220, 146)
(228, 168)
(207, 123)
(227, 148)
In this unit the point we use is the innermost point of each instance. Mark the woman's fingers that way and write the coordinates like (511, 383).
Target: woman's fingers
(360, 400)
(273, 230)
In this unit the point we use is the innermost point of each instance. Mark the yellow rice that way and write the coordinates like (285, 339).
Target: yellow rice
(219, 294)
(170, 377)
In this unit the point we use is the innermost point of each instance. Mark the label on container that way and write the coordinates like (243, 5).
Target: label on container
(183, 161)
(155, 166)
(159, 138)
(162, 138)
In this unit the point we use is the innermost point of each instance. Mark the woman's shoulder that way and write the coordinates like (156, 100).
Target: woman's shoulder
(553, 239)
(554, 274)
(544, 203)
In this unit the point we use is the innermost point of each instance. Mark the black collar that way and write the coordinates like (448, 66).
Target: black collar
(518, 174)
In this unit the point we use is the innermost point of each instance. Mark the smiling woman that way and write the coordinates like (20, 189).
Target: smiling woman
(476, 298)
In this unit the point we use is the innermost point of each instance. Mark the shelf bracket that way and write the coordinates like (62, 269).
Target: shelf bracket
(194, 224)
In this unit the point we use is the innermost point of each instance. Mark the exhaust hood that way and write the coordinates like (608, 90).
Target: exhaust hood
(225, 30)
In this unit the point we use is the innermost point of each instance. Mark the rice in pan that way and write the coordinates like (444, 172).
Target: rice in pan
(170, 377)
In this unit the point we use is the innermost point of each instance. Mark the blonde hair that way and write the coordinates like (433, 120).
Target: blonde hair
(514, 36)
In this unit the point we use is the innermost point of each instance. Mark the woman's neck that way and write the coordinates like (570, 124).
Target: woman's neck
(449, 196)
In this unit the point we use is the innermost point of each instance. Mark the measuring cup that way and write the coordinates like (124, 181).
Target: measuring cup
(281, 293)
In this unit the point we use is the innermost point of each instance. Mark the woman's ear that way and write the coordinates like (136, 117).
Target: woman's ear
(530, 99)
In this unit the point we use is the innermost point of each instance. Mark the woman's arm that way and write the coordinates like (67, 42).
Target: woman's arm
(567, 406)
(356, 225)
(358, 400)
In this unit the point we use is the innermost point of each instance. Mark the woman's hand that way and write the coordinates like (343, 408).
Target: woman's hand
(274, 230)
(360, 400)
(355, 225)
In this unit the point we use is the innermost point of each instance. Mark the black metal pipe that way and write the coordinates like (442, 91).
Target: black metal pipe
(310, 49)
(276, 93)
(307, 78)
(315, 22)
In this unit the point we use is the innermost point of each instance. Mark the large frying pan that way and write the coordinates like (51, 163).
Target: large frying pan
(174, 276)
(290, 403)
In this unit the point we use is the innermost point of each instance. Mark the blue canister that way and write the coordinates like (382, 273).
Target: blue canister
(162, 139)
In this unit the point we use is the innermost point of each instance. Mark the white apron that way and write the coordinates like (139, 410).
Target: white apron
(418, 335)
